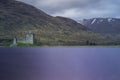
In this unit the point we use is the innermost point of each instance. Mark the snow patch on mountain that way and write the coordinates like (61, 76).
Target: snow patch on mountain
(109, 19)
(93, 21)
(101, 20)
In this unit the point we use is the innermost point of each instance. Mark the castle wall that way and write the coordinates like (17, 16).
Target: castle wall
(29, 39)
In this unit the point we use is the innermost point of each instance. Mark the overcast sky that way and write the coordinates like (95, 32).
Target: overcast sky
(78, 9)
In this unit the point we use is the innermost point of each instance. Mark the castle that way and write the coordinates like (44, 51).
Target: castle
(28, 39)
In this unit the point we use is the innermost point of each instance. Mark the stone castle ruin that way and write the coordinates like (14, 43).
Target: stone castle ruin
(28, 39)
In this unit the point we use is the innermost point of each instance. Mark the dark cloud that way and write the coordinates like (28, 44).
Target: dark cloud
(78, 8)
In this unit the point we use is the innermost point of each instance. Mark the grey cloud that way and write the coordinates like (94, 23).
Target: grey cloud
(78, 8)
(59, 5)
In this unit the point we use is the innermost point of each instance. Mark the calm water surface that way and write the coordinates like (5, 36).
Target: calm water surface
(60, 63)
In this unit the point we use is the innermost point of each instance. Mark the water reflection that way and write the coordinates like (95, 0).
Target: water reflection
(60, 64)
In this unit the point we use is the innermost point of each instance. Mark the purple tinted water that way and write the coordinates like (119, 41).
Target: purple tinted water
(60, 63)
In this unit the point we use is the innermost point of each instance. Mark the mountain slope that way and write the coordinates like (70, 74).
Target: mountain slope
(103, 25)
(109, 27)
(17, 18)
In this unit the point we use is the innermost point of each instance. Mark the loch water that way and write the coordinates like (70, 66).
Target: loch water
(60, 63)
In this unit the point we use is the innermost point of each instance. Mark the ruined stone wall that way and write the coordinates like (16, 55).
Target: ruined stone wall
(29, 39)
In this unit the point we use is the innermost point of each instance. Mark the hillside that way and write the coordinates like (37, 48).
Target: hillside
(17, 18)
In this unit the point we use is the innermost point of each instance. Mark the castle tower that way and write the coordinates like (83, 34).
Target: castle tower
(14, 41)
(30, 38)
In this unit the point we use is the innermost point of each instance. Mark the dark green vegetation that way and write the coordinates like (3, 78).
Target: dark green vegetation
(17, 18)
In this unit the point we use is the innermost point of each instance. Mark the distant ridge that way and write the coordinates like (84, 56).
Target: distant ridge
(103, 25)
(109, 27)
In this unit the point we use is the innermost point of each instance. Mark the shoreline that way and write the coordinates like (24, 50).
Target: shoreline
(99, 46)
